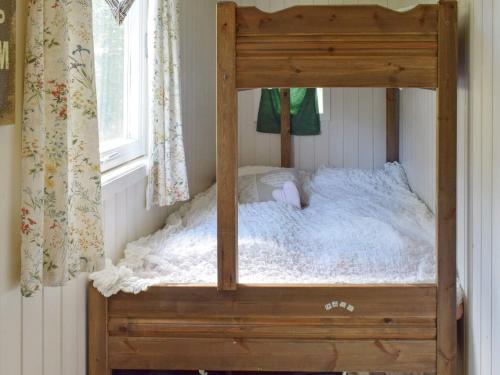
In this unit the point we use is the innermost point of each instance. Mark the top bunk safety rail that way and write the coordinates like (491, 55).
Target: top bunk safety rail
(336, 46)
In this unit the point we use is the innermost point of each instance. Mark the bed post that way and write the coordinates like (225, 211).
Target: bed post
(97, 318)
(392, 124)
(446, 187)
(286, 139)
(227, 150)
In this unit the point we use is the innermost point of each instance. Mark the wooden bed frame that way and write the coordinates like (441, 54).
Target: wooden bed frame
(304, 327)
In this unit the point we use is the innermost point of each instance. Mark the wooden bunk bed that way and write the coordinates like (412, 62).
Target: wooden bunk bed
(287, 327)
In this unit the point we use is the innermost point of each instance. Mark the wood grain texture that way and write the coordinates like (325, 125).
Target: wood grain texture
(336, 46)
(97, 320)
(286, 137)
(271, 354)
(274, 328)
(294, 328)
(392, 124)
(446, 170)
(336, 71)
(370, 302)
(227, 148)
(347, 19)
(297, 328)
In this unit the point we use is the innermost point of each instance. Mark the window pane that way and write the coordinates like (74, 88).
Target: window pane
(319, 93)
(109, 44)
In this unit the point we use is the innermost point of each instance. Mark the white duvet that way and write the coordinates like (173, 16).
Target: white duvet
(359, 227)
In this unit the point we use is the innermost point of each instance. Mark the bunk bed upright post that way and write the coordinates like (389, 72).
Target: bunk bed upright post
(392, 124)
(446, 187)
(97, 332)
(227, 148)
(286, 138)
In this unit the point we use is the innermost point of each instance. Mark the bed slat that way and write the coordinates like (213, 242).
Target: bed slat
(336, 71)
(271, 354)
(331, 19)
(369, 302)
(298, 328)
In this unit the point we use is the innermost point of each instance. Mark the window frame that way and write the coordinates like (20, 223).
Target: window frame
(118, 152)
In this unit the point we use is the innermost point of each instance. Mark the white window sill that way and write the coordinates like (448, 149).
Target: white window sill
(121, 178)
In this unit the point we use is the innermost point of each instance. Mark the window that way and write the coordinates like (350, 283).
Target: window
(324, 103)
(121, 79)
(321, 100)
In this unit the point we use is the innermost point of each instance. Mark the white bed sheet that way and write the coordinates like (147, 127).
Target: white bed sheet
(359, 227)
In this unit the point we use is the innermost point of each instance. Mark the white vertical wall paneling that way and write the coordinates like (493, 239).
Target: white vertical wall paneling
(336, 131)
(52, 330)
(32, 335)
(486, 188)
(483, 325)
(495, 206)
(69, 332)
(474, 261)
(417, 141)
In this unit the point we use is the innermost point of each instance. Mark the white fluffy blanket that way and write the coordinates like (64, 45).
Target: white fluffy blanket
(359, 227)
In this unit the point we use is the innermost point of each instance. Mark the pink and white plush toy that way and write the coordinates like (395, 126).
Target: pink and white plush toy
(288, 194)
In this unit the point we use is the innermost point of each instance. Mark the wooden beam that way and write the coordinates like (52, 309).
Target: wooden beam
(339, 20)
(373, 304)
(446, 188)
(392, 124)
(97, 318)
(270, 354)
(336, 71)
(286, 139)
(227, 148)
(337, 46)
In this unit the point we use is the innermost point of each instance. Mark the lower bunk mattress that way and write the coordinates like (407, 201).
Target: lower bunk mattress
(356, 227)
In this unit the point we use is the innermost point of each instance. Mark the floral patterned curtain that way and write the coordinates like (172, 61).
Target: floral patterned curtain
(61, 192)
(167, 181)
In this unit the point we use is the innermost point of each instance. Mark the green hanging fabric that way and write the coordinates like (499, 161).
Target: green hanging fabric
(303, 110)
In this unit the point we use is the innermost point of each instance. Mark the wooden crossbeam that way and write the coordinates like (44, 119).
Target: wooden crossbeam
(392, 124)
(286, 138)
(227, 148)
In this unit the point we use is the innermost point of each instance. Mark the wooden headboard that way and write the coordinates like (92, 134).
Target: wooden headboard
(335, 46)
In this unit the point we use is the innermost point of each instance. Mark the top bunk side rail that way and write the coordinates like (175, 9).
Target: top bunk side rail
(336, 46)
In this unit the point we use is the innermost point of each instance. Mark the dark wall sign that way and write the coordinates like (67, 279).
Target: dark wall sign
(7, 61)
